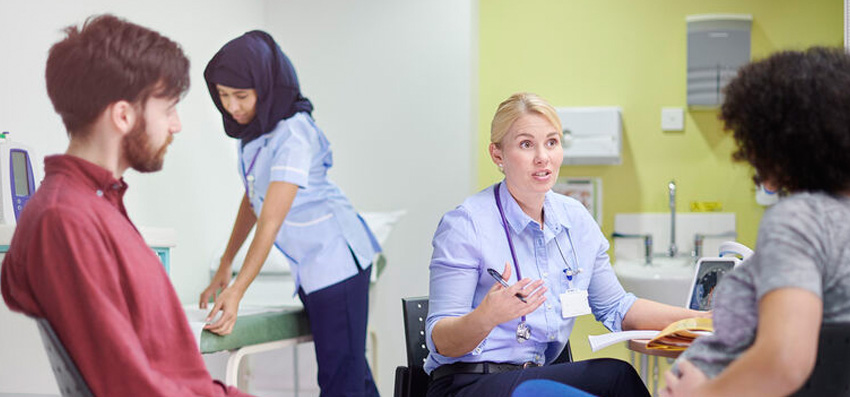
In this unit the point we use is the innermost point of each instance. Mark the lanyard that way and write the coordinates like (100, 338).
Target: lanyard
(523, 331)
(569, 272)
(249, 178)
(507, 232)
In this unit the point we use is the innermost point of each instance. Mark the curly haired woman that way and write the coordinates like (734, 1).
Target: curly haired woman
(790, 114)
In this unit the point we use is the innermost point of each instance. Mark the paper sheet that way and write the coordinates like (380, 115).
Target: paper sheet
(602, 341)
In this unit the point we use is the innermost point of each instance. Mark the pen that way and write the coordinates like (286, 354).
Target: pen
(499, 278)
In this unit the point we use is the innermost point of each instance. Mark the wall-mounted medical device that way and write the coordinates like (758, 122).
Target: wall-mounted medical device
(591, 135)
(718, 44)
(709, 272)
(17, 178)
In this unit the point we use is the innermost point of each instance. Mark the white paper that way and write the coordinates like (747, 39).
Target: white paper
(602, 341)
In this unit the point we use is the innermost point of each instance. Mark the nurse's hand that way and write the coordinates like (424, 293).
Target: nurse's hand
(219, 282)
(502, 305)
(228, 304)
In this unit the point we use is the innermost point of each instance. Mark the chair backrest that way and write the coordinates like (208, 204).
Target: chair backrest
(831, 376)
(413, 381)
(566, 355)
(71, 382)
(415, 311)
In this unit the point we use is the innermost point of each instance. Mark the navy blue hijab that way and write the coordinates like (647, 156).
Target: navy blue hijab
(254, 60)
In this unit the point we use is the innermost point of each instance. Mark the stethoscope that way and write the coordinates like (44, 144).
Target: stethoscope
(523, 331)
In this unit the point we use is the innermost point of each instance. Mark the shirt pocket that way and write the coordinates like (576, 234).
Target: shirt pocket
(302, 238)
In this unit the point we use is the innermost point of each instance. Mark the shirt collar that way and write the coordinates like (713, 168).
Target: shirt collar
(554, 216)
(92, 175)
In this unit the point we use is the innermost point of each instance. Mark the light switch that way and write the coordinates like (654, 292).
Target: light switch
(672, 119)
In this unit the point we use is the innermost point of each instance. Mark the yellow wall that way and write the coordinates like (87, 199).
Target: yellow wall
(632, 54)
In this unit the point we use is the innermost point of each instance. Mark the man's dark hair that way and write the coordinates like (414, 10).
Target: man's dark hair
(790, 116)
(110, 60)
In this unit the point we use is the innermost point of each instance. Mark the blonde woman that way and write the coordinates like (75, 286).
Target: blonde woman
(484, 338)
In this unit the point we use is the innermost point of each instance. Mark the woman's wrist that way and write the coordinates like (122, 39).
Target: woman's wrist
(226, 260)
(481, 319)
(238, 287)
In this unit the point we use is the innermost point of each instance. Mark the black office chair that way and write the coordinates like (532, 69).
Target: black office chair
(831, 376)
(412, 381)
(71, 382)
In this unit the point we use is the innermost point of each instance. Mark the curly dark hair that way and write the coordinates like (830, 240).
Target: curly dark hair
(790, 116)
(108, 60)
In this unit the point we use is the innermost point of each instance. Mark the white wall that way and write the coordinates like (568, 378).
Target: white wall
(196, 193)
(393, 83)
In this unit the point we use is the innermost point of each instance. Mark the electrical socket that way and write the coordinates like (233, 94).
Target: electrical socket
(672, 119)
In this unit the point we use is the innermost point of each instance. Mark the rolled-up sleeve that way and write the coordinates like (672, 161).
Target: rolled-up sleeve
(293, 156)
(608, 300)
(454, 271)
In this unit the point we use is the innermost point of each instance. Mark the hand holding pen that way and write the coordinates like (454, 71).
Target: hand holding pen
(505, 303)
(504, 283)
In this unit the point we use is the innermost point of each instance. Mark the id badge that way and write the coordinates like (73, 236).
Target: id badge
(574, 303)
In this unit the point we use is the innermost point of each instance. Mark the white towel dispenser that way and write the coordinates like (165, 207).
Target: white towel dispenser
(592, 135)
(718, 44)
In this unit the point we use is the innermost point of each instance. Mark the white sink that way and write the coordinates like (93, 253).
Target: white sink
(666, 280)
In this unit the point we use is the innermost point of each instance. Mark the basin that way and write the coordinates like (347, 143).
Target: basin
(666, 280)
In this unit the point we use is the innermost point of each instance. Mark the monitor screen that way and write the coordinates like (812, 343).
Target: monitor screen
(19, 168)
(706, 278)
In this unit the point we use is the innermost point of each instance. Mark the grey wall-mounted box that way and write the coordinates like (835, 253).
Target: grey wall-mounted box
(718, 44)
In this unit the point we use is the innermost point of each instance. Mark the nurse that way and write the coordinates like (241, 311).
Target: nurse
(283, 159)
(485, 339)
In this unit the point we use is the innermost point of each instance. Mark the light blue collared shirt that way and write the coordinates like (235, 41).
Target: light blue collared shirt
(471, 239)
(321, 225)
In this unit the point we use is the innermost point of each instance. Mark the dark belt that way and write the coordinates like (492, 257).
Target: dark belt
(478, 368)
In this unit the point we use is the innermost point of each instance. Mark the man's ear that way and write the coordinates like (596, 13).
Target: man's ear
(122, 115)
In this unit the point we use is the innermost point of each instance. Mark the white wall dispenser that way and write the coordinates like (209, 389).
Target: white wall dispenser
(591, 135)
(718, 44)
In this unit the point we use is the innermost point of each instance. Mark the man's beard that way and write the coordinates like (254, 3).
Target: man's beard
(137, 148)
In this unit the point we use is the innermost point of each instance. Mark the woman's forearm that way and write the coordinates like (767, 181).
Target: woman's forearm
(278, 200)
(647, 314)
(245, 220)
(457, 336)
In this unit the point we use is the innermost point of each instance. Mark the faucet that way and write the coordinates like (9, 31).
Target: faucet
(647, 243)
(671, 188)
(700, 237)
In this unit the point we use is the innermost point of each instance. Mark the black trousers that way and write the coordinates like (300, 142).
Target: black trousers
(338, 316)
(602, 377)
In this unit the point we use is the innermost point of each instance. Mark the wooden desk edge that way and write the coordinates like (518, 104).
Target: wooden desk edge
(639, 345)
